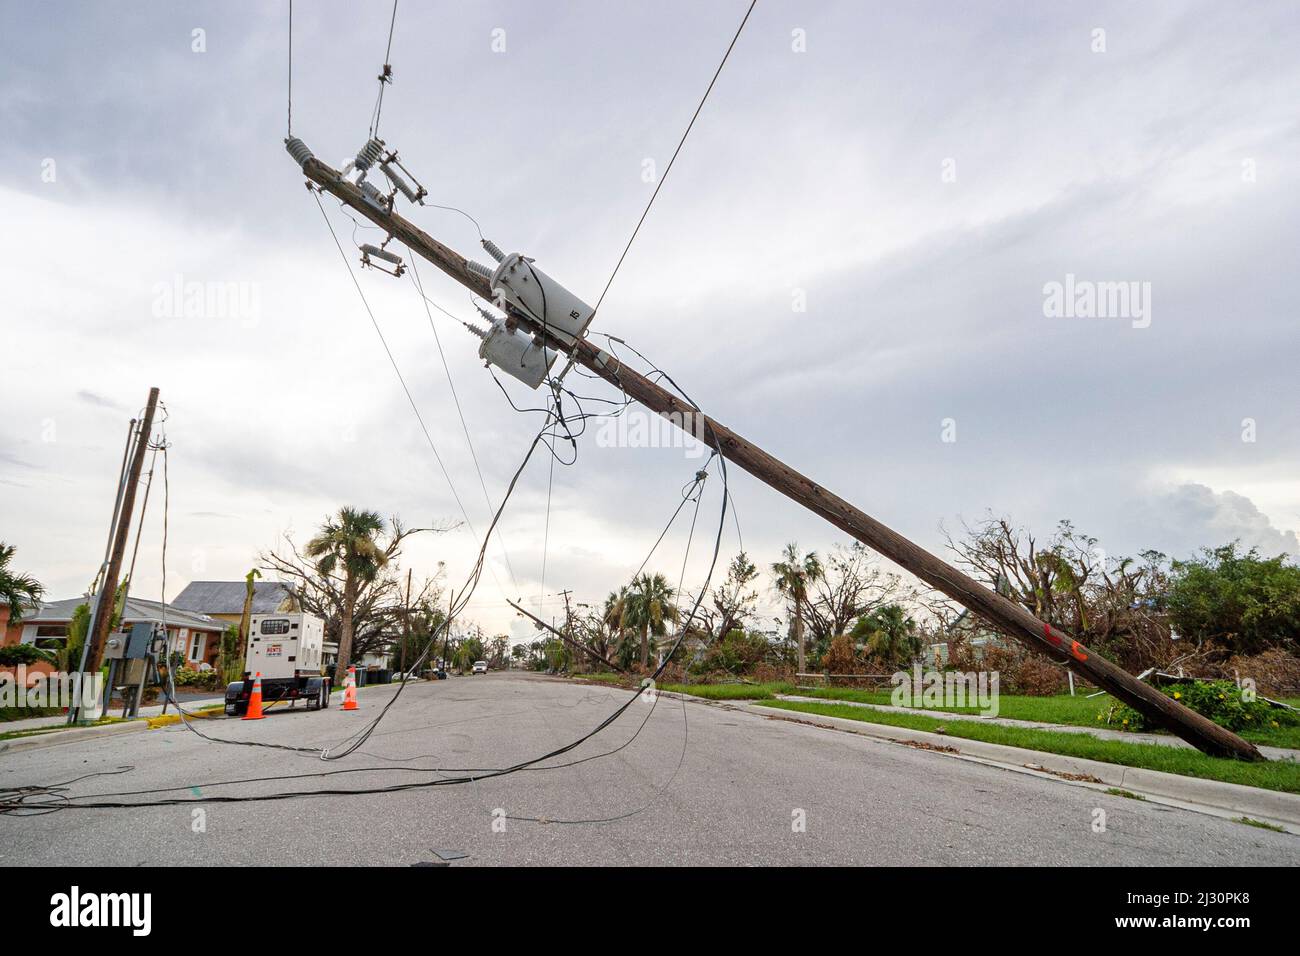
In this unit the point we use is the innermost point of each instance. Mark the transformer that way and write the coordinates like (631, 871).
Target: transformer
(537, 295)
(514, 352)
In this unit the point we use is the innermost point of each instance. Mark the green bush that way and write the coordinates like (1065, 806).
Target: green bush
(737, 653)
(204, 680)
(1220, 700)
(24, 713)
(15, 654)
(1243, 602)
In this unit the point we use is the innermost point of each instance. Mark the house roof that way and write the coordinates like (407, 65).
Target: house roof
(137, 609)
(227, 597)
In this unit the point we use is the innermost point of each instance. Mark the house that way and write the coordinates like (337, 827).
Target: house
(196, 636)
(10, 632)
(224, 600)
(973, 631)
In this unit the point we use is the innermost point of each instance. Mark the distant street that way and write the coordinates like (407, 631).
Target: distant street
(743, 782)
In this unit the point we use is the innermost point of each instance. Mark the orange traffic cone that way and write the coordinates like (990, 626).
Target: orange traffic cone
(350, 690)
(254, 711)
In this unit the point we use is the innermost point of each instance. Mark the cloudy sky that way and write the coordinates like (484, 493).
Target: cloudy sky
(848, 264)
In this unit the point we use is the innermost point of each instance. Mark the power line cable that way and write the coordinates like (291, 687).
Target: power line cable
(385, 76)
(460, 412)
(289, 130)
(392, 361)
(20, 800)
(669, 168)
(9, 804)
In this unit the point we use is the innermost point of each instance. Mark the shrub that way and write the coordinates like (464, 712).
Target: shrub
(839, 657)
(1221, 701)
(1240, 601)
(15, 654)
(1020, 671)
(24, 713)
(1276, 672)
(203, 680)
(737, 653)
(773, 674)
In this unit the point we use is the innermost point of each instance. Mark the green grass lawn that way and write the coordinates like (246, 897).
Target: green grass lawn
(707, 691)
(604, 678)
(1274, 775)
(1076, 711)
(731, 691)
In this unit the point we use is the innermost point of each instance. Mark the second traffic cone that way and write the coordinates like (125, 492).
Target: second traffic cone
(350, 690)
(254, 711)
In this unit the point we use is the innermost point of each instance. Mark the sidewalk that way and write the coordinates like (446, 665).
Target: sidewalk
(61, 720)
(1102, 733)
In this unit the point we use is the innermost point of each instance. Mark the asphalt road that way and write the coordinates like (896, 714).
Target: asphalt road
(732, 798)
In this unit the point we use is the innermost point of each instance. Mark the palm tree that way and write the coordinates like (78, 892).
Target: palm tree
(892, 635)
(793, 575)
(17, 591)
(644, 607)
(348, 543)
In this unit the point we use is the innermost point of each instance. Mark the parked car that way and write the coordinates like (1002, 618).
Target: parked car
(480, 667)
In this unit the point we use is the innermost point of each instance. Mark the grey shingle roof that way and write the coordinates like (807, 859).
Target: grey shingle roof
(137, 609)
(227, 597)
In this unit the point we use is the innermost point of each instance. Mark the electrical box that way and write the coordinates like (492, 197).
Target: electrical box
(515, 353)
(536, 294)
(129, 645)
(285, 645)
(115, 646)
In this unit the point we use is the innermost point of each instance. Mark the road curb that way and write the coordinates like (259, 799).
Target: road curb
(1101, 733)
(1270, 806)
(57, 738)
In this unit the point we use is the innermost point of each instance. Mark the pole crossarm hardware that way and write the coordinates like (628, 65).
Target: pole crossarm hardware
(1005, 615)
(565, 637)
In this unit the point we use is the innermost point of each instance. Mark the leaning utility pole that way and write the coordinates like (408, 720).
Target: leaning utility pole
(568, 612)
(565, 637)
(108, 587)
(1005, 615)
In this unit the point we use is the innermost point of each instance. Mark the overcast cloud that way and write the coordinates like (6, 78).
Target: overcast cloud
(916, 176)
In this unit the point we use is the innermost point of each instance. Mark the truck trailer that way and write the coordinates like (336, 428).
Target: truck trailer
(287, 650)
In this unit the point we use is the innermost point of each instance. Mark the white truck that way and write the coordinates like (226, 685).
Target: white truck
(287, 650)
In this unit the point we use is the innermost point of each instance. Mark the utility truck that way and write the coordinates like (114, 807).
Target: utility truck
(287, 650)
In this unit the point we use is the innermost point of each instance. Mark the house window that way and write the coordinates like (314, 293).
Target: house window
(50, 636)
(196, 648)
